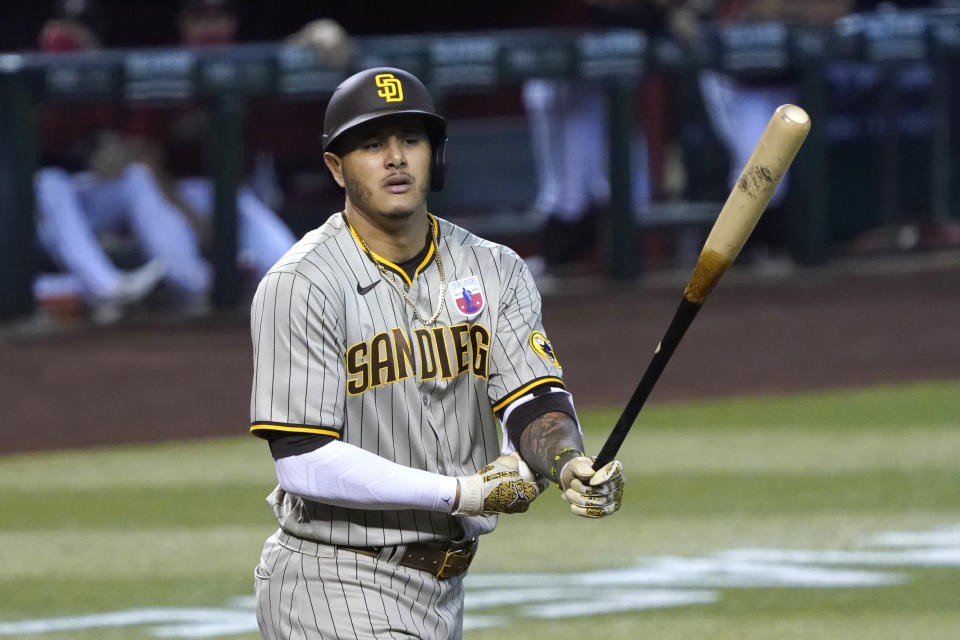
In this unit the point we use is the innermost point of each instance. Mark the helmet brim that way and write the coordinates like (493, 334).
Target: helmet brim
(436, 125)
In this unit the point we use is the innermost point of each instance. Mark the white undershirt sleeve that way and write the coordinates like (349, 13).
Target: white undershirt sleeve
(344, 475)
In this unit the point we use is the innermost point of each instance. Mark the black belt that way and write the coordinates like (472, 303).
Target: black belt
(442, 562)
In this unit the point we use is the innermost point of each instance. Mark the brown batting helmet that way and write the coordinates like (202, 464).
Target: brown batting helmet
(381, 92)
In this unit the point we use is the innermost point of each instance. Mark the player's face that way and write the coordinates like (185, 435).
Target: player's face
(384, 167)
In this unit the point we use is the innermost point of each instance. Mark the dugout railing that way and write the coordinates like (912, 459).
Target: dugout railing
(226, 78)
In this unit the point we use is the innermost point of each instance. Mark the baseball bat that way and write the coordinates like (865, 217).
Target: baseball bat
(767, 164)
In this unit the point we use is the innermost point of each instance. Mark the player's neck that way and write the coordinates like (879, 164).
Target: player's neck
(396, 240)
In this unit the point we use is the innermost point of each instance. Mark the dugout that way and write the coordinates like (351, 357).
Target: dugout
(879, 154)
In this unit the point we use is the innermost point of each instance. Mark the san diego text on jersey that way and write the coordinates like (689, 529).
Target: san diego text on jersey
(440, 352)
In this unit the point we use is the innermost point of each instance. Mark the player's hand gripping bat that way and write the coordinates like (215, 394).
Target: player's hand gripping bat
(767, 164)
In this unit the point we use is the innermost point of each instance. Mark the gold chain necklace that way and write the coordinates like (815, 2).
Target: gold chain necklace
(389, 277)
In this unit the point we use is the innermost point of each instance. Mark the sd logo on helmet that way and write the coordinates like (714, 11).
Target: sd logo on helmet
(381, 92)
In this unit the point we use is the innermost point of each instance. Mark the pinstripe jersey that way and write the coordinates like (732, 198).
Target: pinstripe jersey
(337, 351)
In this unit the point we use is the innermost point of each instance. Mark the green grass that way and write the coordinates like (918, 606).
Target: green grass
(181, 524)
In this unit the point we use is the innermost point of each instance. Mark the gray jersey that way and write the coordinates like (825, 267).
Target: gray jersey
(338, 351)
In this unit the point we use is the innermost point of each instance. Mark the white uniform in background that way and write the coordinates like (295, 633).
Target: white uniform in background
(739, 112)
(74, 209)
(568, 126)
(262, 237)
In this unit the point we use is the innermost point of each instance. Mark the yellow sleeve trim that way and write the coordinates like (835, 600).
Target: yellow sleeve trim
(266, 426)
(524, 390)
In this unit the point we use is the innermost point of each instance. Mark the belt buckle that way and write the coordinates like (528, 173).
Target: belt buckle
(447, 570)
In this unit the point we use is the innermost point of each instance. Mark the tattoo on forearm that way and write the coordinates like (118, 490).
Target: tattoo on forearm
(551, 435)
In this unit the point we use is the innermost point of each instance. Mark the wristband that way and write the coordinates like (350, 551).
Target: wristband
(565, 454)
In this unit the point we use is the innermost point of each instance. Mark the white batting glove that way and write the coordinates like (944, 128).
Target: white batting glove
(592, 494)
(496, 488)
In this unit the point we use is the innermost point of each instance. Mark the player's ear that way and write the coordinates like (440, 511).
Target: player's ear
(438, 165)
(335, 165)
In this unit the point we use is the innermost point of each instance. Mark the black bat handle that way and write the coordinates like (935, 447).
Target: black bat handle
(682, 318)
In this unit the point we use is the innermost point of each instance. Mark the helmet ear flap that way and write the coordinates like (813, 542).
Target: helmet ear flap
(438, 165)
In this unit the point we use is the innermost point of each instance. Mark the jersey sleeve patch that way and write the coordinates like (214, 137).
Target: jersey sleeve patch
(269, 430)
(542, 347)
(468, 296)
(540, 385)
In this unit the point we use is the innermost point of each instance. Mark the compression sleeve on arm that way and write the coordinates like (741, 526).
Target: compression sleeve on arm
(344, 475)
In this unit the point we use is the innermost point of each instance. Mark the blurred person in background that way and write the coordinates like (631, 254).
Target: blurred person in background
(175, 142)
(882, 126)
(569, 133)
(89, 185)
(740, 106)
(136, 180)
(568, 128)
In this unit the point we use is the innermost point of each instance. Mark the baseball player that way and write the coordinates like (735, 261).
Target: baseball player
(391, 350)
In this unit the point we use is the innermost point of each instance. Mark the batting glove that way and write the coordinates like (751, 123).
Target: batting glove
(496, 488)
(592, 494)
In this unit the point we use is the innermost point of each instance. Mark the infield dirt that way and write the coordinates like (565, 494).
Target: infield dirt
(819, 329)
